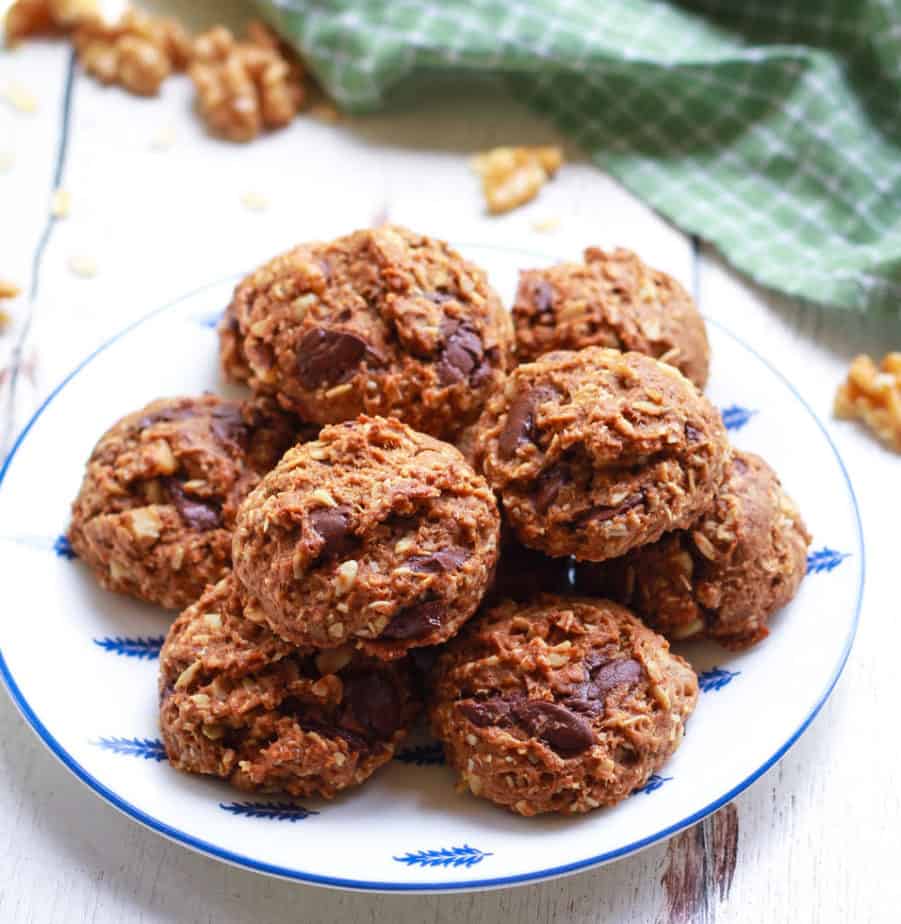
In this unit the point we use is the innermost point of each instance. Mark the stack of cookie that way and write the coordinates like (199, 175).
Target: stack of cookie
(402, 518)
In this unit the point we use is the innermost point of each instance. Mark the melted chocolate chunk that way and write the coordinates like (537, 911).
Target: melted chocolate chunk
(328, 357)
(693, 434)
(550, 482)
(439, 562)
(415, 621)
(602, 514)
(333, 526)
(558, 727)
(228, 425)
(520, 425)
(374, 702)
(439, 298)
(196, 514)
(613, 673)
(589, 697)
(485, 712)
(462, 353)
(168, 415)
(324, 730)
(543, 296)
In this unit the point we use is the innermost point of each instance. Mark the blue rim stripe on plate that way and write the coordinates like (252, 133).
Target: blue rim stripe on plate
(364, 885)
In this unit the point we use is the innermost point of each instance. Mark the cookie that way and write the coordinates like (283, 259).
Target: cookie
(724, 577)
(154, 515)
(611, 300)
(373, 534)
(596, 452)
(562, 705)
(383, 322)
(239, 703)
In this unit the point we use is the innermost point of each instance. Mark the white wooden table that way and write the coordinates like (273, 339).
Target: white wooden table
(813, 840)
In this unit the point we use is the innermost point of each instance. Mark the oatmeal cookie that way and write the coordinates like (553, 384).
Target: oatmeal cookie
(611, 300)
(383, 322)
(562, 705)
(597, 452)
(726, 575)
(239, 703)
(154, 515)
(373, 534)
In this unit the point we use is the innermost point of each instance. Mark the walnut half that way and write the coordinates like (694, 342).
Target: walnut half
(873, 394)
(513, 176)
(244, 87)
(138, 51)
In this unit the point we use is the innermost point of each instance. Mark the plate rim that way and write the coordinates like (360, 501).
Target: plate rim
(362, 885)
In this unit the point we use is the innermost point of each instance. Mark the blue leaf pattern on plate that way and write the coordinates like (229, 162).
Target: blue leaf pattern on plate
(446, 856)
(824, 559)
(422, 755)
(735, 416)
(715, 679)
(653, 784)
(140, 647)
(148, 748)
(277, 811)
(63, 548)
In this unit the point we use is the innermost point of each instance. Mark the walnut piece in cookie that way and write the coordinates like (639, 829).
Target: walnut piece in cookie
(154, 515)
(239, 703)
(562, 705)
(725, 576)
(382, 321)
(245, 87)
(873, 394)
(373, 534)
(611, 300)
(137, 51)
(513, 176)
(596, 452)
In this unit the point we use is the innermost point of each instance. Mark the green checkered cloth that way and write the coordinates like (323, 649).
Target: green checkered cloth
(771, 128)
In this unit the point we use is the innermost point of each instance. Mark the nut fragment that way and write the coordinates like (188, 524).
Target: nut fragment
(9, 289)
(61, 203)
(137, 51)
(873, 395)
(19, 97)
(244, 87)
(83, 265)
(346, 576)
(332, 660)
(513, 176)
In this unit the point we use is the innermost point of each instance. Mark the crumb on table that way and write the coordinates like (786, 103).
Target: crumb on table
(872, 394)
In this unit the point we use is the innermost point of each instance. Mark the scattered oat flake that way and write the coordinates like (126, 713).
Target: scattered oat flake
(513, 176)
(82, 265)
(7, 159)
(61, 203)
(546, 225)
(9, 289)
(255, 202)
(872, 394)
(5, 320)
(20, 97)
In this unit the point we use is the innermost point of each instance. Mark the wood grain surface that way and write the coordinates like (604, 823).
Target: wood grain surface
(814, 840)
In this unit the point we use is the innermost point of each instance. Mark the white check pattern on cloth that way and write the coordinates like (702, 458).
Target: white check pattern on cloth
(765, 127)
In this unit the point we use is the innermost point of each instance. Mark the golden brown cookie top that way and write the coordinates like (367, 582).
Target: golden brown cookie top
(610, 300)
(381, 321)
(373, 533)
(595, 452)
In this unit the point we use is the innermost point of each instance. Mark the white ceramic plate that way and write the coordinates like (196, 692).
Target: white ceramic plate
(81, 663)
